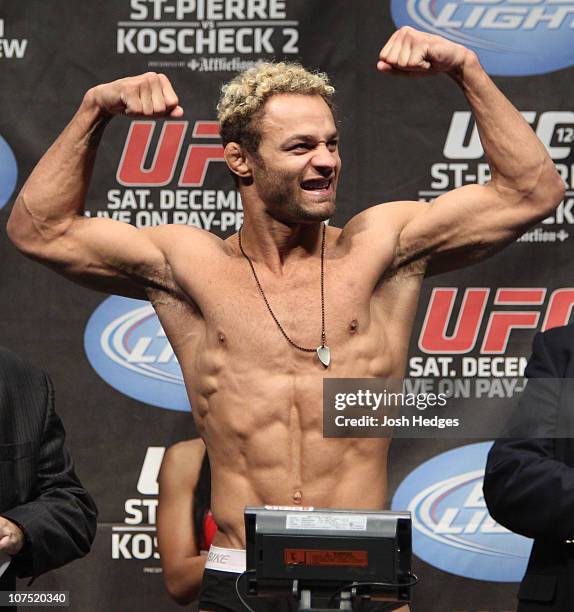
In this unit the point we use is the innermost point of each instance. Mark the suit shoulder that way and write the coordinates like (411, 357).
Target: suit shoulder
(22, 383)
(9, 360)
(560, 337)
(557, 345)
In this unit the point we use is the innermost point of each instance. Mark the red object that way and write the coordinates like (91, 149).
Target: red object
(209, 529)
(349, 558)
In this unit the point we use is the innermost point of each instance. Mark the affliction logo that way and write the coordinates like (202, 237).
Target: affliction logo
(507, 34)
(147, 164)
(207, 35)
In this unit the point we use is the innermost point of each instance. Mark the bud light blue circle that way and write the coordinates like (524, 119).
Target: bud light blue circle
(452, 529)
(127, 347)
(511, 38)
(8, 172)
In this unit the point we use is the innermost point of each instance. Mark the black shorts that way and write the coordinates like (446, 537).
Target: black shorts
(218, 594)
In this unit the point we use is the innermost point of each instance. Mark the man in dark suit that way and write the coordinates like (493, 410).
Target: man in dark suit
(529, 481)
(46, 517)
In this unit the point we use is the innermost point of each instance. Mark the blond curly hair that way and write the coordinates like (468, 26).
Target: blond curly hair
(243, 98)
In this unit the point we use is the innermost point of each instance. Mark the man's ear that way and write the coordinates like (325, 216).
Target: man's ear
(237, 160)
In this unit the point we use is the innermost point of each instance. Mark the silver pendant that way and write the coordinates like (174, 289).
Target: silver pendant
(324, 355)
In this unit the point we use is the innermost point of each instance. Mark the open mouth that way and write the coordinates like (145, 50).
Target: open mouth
(316, 184)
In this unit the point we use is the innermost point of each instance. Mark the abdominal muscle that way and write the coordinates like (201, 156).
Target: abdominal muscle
(257, 401)
(264, 435)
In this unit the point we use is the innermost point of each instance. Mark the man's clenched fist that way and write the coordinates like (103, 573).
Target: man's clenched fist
(11, 537)
(413, 53)
(146, 95)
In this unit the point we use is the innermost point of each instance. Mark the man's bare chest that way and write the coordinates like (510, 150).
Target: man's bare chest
(299, 305)
(236, 316)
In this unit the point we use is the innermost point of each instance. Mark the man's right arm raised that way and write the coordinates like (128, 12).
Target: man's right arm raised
(47, 222)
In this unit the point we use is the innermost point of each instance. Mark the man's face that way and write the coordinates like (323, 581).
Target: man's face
(297, 167)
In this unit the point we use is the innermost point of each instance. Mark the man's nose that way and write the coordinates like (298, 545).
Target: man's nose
(324, 157)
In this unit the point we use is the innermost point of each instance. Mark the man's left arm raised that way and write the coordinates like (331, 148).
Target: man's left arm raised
(472, 222)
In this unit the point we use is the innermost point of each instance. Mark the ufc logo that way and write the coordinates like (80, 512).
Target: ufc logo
(553, 129)
(132, 171)
(148, 479)
(500, 323)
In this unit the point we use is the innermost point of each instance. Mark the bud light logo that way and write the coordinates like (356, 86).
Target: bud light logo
(511, 37)
(126, 345)
(452, 529)
(8, 172)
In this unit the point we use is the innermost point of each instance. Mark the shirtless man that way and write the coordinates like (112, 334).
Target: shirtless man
(257, 399)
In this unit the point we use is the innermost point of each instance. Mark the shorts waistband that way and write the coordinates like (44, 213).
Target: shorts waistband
(225, 559)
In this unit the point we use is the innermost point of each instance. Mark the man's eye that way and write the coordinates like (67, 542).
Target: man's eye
(333, 144)
(301, 146)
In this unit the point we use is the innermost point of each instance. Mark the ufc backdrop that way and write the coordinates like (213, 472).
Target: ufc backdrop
(119, 388)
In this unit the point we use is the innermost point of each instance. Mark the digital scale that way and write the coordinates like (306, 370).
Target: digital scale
(322, 557)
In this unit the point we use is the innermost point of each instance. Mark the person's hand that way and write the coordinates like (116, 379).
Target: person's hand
(413, 53)
(11, 537)
(146, 95)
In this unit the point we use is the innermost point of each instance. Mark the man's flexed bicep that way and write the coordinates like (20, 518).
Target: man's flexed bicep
(47, 221)
(474, 221)
(102, 254)
(465, 226)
